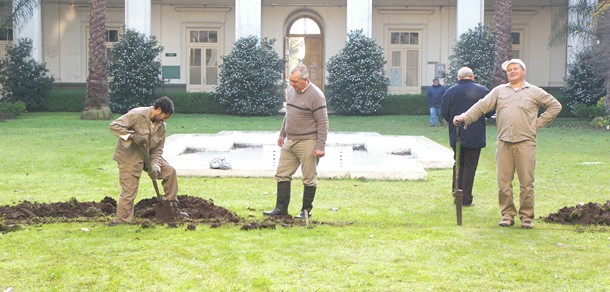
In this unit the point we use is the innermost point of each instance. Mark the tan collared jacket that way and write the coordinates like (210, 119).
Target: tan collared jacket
(516, 111)
(137, 121)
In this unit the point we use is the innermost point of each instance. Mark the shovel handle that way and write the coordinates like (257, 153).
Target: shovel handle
(146, 157)
(457, 192)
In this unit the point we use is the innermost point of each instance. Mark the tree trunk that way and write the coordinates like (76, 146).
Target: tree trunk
(503, 24)
(96, 102)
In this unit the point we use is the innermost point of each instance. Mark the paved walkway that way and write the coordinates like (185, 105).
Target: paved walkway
(348, 155)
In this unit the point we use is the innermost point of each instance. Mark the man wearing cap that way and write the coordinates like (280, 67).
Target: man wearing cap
(516, 103)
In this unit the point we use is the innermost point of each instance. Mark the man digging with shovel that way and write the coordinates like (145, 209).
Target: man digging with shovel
(141, 131)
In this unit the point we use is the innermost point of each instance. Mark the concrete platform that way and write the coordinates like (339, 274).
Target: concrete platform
(348, 155)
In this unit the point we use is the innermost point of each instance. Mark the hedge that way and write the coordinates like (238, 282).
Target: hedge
(204, 103)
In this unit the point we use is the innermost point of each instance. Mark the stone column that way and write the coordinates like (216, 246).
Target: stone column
(468, 15)
(360, 16)
(247, 18)
(31, 29)
(138, 15)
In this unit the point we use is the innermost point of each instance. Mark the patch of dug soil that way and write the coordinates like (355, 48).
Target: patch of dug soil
(199, 210)
(583, 214)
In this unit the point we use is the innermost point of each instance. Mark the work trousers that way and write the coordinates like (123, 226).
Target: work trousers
(517, 157)
(469, 160)
(129, 189)
(297, 153)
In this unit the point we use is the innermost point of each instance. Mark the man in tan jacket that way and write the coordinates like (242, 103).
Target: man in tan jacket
(144, 127)
(516, 103)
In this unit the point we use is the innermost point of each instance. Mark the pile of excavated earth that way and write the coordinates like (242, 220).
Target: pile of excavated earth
(202, 211)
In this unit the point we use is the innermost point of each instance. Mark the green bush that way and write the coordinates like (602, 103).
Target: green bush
(583, 86)
(10, 110)
(23, 78)
(356, 77)
(405, 104)
(196, 103)
(66, 100)
(588, 112)
(474, 49)
(135, 71)
(251, 81)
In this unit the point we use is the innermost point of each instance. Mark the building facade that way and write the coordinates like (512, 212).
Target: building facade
(417, 35)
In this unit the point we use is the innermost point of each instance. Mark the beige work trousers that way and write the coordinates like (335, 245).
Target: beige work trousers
(297, 153)
(129, 189)
(517, 157)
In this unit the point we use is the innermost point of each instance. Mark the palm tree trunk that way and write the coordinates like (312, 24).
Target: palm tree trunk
(96, 102)
(503, 24)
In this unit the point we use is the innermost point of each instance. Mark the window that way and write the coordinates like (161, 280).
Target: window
(517, 45)
(203, 58)
(6, 34)
(404, 56)
(112, 36)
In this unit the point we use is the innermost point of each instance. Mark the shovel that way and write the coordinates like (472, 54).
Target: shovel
(457, 192)
(163, 209)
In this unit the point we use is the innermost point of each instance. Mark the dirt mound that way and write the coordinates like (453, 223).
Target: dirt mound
(583, 214)
(200, 211)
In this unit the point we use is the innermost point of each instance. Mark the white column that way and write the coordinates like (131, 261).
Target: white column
(576, 43)
(31, 29)
(468, 16)
(247, 18)
(360, 16)
(138, 15)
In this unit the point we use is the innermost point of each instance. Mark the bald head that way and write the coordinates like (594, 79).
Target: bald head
(465, 73)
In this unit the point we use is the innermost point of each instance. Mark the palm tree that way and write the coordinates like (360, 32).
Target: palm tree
(503, 24)
(96, 101)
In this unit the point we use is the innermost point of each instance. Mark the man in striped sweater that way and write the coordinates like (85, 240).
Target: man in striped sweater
(302, 138)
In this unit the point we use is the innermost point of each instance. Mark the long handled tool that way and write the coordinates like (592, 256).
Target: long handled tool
(163, 209)
(457, 192)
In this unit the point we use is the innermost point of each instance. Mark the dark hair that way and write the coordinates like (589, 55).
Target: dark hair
(166, 105)
(435, 79)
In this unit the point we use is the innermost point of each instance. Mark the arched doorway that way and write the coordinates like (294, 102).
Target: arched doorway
(304, 44)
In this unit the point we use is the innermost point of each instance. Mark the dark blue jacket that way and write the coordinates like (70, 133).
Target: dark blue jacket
(457, 100)
(434, 95)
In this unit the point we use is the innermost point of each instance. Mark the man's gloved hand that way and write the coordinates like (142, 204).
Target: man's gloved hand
(154, 171)
(139, 140)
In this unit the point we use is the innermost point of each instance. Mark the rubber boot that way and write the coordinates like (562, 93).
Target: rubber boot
(309, 193)
(177, 211)
(283, 199)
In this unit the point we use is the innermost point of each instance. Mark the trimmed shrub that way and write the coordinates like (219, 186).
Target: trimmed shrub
(356, 77)
(10, 110)
(251, 82)
(196, 103)
(583, 87)
(135, 71)
(474, 49)
(23, 78)
(66, 101)
(405, 104)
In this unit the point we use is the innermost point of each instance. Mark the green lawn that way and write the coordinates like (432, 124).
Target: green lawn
(386, 236)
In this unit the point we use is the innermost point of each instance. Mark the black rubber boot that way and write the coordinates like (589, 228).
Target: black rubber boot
(177, 211)
(309, 193)
(283, 199)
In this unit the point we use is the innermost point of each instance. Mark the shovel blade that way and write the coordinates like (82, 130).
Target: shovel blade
(164, 212)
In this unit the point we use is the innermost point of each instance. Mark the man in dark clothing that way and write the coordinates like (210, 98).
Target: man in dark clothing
(434, 96)
(456, 100)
